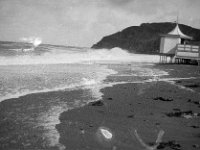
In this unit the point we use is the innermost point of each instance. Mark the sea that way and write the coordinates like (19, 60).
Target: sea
(37, 84)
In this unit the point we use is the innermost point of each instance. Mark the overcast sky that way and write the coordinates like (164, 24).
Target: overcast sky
(84, 22)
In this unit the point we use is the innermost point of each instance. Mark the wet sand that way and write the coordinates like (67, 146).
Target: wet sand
(28, 122)
(147, 108)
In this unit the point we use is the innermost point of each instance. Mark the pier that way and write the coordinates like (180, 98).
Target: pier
(174, 48)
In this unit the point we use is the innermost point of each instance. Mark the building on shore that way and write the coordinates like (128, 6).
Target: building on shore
(175, 48)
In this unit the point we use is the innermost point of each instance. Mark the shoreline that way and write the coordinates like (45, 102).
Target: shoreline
(145, 107)
(124, 108)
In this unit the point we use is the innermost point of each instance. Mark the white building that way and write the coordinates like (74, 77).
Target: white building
(174, 45)
(168, 43)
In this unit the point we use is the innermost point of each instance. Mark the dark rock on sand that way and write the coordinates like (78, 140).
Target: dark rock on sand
(171, 144)
(186, 114)
(179, 114)
(194, 102)
(195, 127)
(97, 103)
(163, 99)
(110, 98)
(192, 85)
(157, 124)
(196, 146)
(130, 116)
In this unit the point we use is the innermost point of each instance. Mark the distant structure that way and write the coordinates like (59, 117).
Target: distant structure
(174, 46)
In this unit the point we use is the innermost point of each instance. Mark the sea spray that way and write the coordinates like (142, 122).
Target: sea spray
(60, 70)
(55, 55)
(36, 41)
(60, 78)
(20, 80)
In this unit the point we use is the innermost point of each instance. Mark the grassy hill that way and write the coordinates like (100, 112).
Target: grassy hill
(144, 38)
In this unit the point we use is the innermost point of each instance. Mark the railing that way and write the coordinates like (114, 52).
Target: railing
(188, 52)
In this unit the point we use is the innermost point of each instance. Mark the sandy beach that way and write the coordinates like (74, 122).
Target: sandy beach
(99, 75)
(145, 102)
(145, 108)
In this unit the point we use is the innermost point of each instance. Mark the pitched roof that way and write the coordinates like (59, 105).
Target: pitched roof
(177, 31)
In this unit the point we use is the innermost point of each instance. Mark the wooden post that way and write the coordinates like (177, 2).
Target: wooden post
(198, 61)
(199, 52)
(160, 59)
(164, 59)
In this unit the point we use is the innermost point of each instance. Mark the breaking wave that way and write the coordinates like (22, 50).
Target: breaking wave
(54, 55)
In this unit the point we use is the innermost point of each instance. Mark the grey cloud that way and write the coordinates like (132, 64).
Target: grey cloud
(92, 18)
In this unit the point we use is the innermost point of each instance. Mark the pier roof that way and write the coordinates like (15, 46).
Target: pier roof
(177, 31)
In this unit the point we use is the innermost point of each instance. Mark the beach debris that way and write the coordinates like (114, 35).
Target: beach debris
(110, 98)
(163, 99)
(196, 146)
(186, 114)
(194, 126)
(157, 123)
(171, 144)
(106, 133)
(90, 126)
(97, 103)
(192, 85)
(130, 116)
(106, 137)
(194, 102)
(151, 146)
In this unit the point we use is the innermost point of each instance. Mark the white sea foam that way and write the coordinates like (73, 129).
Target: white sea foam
(27, 80)
(49, 119)
(86, 83)
(17, 93)
(56, 56)
(36, 41)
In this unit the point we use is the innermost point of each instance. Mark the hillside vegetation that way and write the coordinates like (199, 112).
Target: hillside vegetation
(144, 38)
